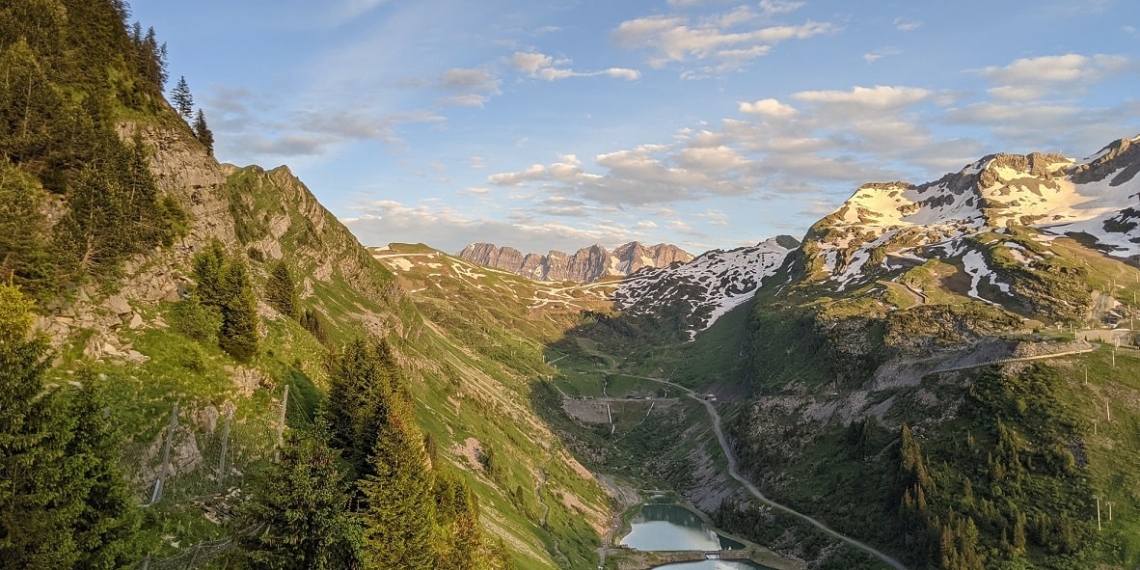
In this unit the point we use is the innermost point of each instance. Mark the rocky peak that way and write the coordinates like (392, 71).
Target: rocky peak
(587, 264)
(1121, 158)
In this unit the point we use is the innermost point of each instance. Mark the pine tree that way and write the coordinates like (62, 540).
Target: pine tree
(29, 497)
(106, 532)
(203, 132)
(399, 511)
(63, 500)
(297, 517)
(238, 335)
(280, 291)
(224, 283)
(363, 384)
(312, 321)
(182, 99)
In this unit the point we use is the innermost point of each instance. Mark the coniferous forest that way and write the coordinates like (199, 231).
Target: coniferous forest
(359, 487)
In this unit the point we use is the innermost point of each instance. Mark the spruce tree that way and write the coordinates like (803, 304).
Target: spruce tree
(280, 291)
(312, 321)
(182, 99)
(29, 452)
(224, 283)
(238, 335)
(297, 517)
(399, 510)
(203, 132)
(63, 500)
(362, 382)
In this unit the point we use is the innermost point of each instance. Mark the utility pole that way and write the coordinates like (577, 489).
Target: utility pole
(1109, 503)
(1086, 367)
(1098, 527)
(1094, 426)
(1107, 411)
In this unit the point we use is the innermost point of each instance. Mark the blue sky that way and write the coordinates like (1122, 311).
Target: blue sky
(704, 123)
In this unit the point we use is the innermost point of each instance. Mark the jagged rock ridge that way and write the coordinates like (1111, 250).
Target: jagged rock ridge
(586, 265)
(707, 287)
(885, 226)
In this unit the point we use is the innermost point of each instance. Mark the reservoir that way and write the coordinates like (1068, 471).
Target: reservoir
(664, 526)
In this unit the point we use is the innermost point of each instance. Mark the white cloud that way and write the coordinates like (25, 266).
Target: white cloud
(623, 73)
(468, 87)
(542, 66)
(772, 7)
(718, 39)
(535, 172)
(872, 57)
(904, 25)
(878, 97)
(1034, 78)
(768, 107)
(386, 221)
(646, 224)
(1017, 93)
(530, 62)
(715, 218)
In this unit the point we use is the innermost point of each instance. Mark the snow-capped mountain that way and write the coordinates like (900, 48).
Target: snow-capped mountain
(704, 289)
(888, 226)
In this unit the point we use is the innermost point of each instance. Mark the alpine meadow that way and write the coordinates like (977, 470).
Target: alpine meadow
(203, 367)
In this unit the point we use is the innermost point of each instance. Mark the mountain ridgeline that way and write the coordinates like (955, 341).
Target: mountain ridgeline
(946, 373)
(586, 265)
(171, 330)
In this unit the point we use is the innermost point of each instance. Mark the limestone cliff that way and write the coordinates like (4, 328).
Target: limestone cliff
(585, 265)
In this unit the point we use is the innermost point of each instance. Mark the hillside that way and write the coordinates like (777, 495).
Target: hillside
(922, 360)
(213, 301)
(201, 367)
(586, 265)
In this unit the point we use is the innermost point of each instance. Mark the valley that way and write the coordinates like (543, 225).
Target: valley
(202, 367)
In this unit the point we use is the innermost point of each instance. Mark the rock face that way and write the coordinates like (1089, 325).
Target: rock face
(704, 289)
(587, 264)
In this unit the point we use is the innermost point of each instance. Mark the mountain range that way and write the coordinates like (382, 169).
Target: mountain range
(938, 373)
(585, 265)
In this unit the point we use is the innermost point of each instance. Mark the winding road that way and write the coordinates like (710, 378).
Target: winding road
(735, 474)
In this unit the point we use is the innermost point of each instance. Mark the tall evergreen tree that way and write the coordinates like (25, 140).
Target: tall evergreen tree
(203, 132)
(399, 510)
(364, 383)
(297, 517)
(280, 291)
(238, 335)
(63, 500)
(224, 283)
(182, 99)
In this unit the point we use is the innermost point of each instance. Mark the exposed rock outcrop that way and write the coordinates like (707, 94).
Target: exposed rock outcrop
(585, 265)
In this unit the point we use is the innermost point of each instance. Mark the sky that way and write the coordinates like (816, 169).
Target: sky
(709, 124)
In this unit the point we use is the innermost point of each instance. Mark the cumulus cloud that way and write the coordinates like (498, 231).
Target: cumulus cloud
(542, 66)
(468, 87)
(722, 41)
(382, 222)
(768, 107)
(878, 97)
(648, 174)
(1034, 78)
